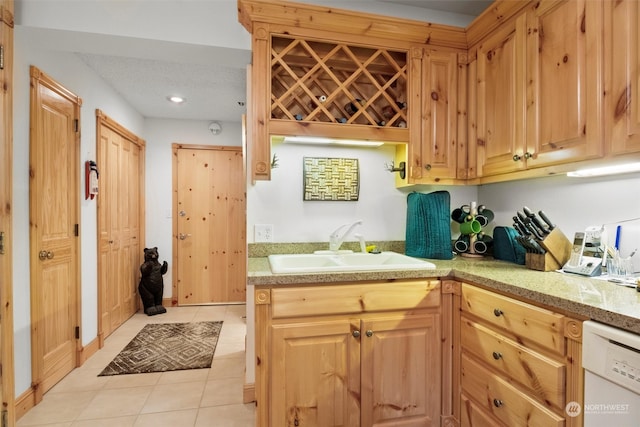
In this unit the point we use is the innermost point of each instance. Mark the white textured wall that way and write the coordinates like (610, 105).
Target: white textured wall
(69, 71)
(381, 206)
(574, 204)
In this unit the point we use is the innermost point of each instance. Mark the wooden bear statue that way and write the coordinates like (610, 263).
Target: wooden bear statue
(151, 286)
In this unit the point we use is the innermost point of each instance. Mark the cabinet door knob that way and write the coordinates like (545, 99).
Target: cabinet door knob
(528, 155)
(369, 333)
(497, 312)
(355, 334)
(497, 403)
(427, 167)
(497, 355)
(516, 157)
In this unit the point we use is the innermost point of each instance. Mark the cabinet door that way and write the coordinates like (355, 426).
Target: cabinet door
(622, 45)
(564, 82)
(401, 371)
(500, 110)
(315, 377)
(437, 157)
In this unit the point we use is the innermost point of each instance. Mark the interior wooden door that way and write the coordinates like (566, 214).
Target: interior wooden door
(209, 225)
(54, 214)
(6, 202)
(120, 222)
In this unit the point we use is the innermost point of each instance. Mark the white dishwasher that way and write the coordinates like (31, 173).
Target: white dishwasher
(611, 359)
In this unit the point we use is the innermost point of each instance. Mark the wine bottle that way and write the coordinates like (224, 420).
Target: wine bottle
(352, 107)
(389, 111)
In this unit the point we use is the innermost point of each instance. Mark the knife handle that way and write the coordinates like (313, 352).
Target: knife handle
(521, 227)
(532, 228)
(528, 212)
(522, 216)
(546, 219)
(541, 227)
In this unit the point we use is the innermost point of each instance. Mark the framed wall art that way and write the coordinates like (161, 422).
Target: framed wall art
(330, 179)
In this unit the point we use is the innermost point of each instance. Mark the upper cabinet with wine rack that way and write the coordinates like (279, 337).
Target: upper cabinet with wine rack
(332, 82)
(325, 72)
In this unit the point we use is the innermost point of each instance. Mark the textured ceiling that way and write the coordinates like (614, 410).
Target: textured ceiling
(212, 92)
(214, 87)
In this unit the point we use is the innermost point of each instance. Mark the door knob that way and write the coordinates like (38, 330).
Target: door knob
(182, 213)
(45, 255)
(355, 333)
(183, 236)
(369, 333)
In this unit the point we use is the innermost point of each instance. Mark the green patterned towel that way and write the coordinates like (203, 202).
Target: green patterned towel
(429, 225)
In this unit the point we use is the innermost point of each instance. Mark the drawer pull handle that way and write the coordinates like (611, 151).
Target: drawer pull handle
(497, 355)
(497, 312)
(497, 403)
(356, 334)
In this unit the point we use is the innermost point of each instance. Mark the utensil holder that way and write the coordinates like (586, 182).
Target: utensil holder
(558, 248)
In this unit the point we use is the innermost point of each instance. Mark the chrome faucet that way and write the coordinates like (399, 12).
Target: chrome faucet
(335, 239)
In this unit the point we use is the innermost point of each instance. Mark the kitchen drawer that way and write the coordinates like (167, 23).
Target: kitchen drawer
(502, 400)
(328, 300)
(544, 377)
(522, 322)
(474, 416)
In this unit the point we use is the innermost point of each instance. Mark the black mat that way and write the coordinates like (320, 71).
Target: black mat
(161, 347)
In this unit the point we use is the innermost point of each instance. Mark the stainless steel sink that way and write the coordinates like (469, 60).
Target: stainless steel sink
(328, 262)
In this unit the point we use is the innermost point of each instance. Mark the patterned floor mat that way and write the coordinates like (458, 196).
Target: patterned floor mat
(161, 347)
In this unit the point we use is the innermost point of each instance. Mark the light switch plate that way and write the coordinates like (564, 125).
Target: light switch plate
(263, 233)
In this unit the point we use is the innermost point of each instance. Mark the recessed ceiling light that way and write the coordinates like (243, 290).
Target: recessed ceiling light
(176, 99)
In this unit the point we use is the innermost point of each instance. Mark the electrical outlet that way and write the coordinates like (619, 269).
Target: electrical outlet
(263, 233)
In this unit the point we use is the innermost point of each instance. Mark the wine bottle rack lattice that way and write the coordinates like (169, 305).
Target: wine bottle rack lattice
(337, 83)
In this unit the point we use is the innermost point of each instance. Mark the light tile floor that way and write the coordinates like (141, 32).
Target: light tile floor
(198, 398)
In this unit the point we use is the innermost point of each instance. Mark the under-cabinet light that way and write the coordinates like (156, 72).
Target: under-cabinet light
(606, 170)
(331, 141)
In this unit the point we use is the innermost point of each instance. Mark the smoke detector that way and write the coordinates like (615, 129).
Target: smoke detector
(215, 128)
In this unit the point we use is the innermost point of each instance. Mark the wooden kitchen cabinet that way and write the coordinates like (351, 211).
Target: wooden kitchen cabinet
(327, 72)
(539, 79)
(564, 76)
(433, 152)
(520, 364)
(622, 68)
(361, 354)
(499, 91)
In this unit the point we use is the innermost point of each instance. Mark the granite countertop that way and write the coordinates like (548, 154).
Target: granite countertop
(571, 294)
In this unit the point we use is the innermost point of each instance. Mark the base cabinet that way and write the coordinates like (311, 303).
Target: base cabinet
(376, 365)
(520, 364)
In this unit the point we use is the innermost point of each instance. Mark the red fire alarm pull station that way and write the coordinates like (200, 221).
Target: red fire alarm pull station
(90, 179)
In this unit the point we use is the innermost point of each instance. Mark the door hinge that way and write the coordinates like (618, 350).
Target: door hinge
(1, 242)
(76, 230)
(5, 418)
(77, 332)
(1, 57)
(75, 125)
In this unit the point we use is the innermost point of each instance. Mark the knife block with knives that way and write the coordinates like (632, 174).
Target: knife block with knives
(547, 247)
